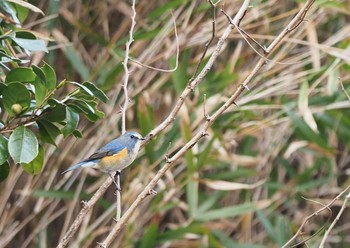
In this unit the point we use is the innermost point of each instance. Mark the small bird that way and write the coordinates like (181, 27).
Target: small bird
(114, 156)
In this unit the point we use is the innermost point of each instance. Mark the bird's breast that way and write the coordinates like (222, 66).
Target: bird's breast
(115, 162)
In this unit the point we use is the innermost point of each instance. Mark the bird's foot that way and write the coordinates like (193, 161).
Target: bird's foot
(152, 192)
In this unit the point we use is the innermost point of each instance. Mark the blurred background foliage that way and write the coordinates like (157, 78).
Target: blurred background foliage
(266, 165)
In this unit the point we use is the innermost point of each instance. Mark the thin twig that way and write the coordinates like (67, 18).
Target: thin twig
(125, 65)
(202, 132)
(206, 115)
(177, 54)
(209, 42)
(244, 34)
(306, 220)
(334, 221)
(118, 196)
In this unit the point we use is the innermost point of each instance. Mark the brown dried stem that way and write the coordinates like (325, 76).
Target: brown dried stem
(337, 218)
(213, 6)
(306, 220)
(125, 65)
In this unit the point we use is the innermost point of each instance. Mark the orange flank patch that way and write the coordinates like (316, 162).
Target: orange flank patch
(114, 160)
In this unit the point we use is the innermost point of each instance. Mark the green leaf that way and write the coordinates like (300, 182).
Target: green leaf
(180, 76)
(4, 171)
(21, 74)
(40, 73)
(40, 91)
(30, 42)
(50, 76)
(267, 225)
(21, 12)
(23, 145)
(55, 113)
(16, 93)
(77, 134)
(86, 89)
(98, 93)
(87, 108)
(72, 118)
(305, 130)
(226, 212)
(35, 166)
(150, 236)
(48, 131)
(4, 153)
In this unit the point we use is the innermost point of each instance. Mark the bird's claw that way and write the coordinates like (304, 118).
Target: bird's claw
(152, 192)
(118, 190)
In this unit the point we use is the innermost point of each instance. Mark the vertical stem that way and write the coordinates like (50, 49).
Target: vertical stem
(125, 65)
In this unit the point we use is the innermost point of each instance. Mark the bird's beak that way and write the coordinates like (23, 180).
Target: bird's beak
(142, 138)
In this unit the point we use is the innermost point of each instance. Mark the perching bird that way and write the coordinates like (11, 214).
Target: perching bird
(114, 156)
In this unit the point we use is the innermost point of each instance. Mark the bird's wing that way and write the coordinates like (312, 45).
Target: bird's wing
(109, 149)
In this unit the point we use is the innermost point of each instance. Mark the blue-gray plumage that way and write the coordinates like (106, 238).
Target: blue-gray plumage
(115, 155)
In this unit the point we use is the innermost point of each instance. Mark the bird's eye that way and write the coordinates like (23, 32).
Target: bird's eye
(132, 136)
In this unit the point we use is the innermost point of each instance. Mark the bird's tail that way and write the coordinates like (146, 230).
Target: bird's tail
(74, 167)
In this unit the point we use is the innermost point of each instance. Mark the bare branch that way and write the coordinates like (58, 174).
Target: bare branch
(125, 64)
(244, 34)
(335, 221)
(306, 220)
(209, 42)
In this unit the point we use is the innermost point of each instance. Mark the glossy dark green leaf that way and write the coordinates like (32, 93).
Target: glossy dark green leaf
(72, 119)
(55, 113)
(50, 75)
(40, 91)
(48, 131)
(21, 74)
(86, 89)
(4, 153)
(77, 134)
(98, 93)
(16, 98)
(39, 73)
(35, 166)
(87, 108)
(4, 171)
(23, 145)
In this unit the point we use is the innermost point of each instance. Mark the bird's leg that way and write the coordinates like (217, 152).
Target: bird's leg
(113, 179)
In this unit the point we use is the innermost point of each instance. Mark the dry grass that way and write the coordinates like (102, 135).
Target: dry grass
(290, 132)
